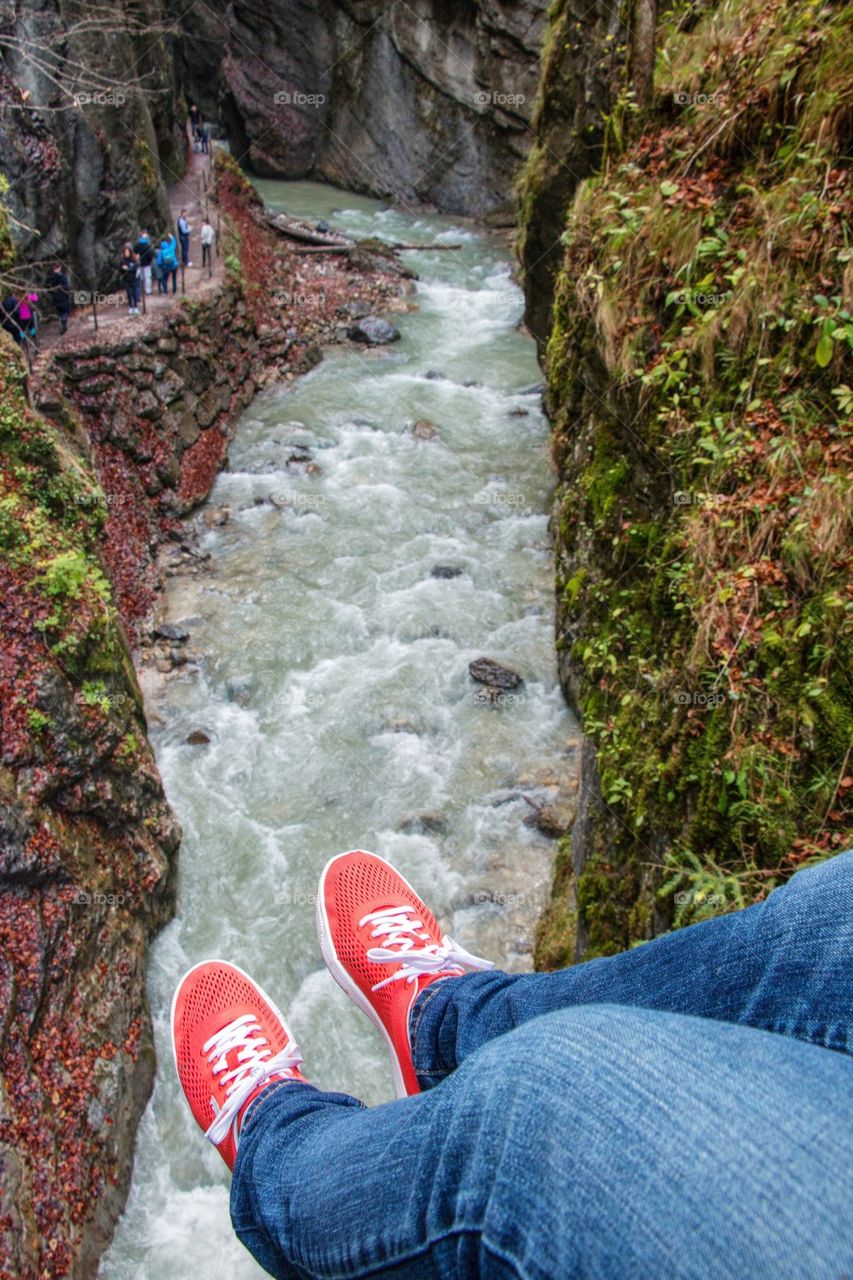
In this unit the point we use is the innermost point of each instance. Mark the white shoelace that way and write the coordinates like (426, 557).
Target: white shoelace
(402, 931)
(255, 1064)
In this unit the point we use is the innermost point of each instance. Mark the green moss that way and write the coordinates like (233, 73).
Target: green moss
(51, 515)
(554, 944)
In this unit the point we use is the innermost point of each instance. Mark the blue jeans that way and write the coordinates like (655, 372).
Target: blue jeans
(682, 1110)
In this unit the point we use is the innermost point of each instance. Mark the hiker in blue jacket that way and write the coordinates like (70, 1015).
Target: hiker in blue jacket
(167, 261)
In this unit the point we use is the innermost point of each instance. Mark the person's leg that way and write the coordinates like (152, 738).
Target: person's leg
(783, 965)
(593, 1142)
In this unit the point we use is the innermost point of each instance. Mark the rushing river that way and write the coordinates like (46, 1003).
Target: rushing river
(336, 695)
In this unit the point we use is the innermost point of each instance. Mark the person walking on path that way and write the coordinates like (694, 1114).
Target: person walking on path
(144, 250)
(28, 318)
(59, 290)
(207, 238)
(184, 235)
(167, 261)
(681, 1110)
(129, 275)
(194, 117)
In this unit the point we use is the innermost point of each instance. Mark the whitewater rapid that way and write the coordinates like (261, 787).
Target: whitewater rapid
(335, 691)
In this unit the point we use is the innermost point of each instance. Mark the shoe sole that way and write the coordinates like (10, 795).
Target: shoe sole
(214, 960)
(342, 977)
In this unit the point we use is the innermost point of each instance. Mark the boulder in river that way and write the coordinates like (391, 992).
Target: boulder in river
(216, 516)
(198, 738)
(493, 674)
(354, 310)
(374, 331)
(446, 571)
(168, 631)
(424, 429)
(554, 820)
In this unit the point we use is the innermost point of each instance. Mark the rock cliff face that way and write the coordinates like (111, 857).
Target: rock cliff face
(583, 65)
(428, 102)
(702, 522)
(87, 847)
(86, 143)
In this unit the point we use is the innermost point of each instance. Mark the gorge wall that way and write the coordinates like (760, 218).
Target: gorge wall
(695, 357)
(88, 133)
(116, 437)
(428, 102)
(87, 847)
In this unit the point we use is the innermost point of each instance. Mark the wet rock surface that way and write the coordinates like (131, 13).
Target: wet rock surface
(374, 331)
(431, 102)
(494, 674)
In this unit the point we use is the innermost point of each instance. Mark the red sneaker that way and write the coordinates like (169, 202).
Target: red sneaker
(229, 1041)
(368, 915)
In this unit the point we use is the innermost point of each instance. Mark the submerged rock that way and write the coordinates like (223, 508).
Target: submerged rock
(168, 631)
(238, 689)
(216, 516)
(374, 331)
(446, 571)
(420, 824)
(424, 429)
(402, 725)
